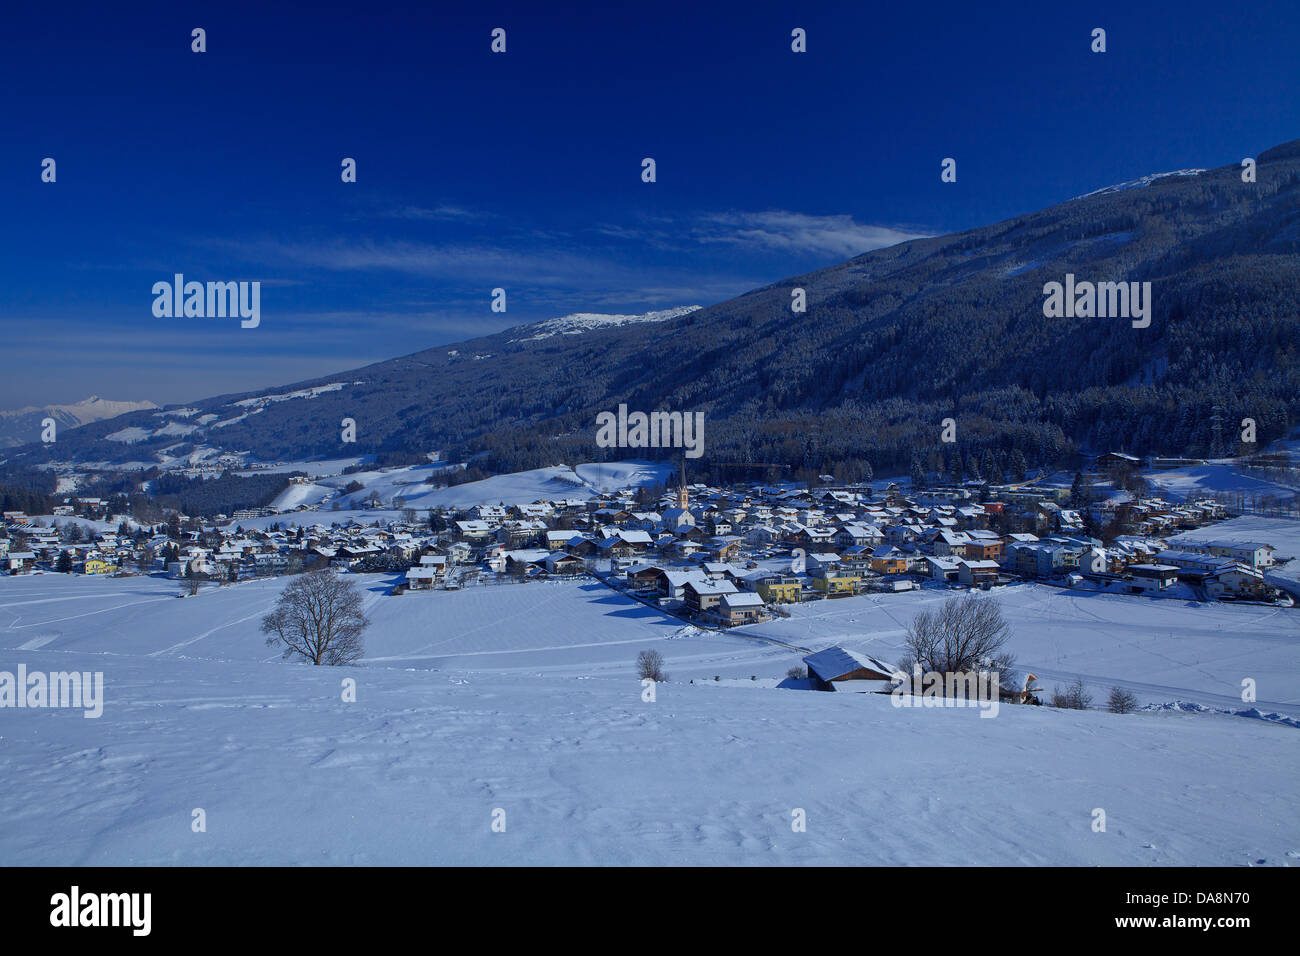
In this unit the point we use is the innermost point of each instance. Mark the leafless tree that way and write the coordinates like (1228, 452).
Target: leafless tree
(1121, 701)
(1074, 697)
(650, 666)
(967, 634)
(318, 617)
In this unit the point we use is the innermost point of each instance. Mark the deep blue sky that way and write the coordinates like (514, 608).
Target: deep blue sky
(522, 170)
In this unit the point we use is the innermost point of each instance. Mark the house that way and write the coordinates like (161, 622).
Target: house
(837, 668)
(743, 607)
(1116, 463)
(421, 579)
(1253, 554)
(776, 588)
(941, 568)
(1094, 561)
(887, 559)
(98, 566)
(834, 583)
(1236, 580)
(1148, 578)
(1190, 560)
(705, 595)
(822, 561)
(644, 577)
(474, 530)
(20, 562)
(557, 562)
(976, 573)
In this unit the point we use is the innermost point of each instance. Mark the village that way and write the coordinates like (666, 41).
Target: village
(717, 557)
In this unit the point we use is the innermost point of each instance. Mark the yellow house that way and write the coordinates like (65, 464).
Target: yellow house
(98, 566)
(780, 590)
(835, 582)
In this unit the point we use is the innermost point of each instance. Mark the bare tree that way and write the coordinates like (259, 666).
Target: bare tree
(797, 673)
(1074, 697)
(190, 584)
(1121, 701)
(966, 634)
(650, 666)
(318, 617)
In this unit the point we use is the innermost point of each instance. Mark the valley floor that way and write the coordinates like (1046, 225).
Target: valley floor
(524, 699)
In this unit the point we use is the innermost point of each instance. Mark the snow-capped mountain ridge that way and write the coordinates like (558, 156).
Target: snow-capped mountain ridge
(1140, 182)
(578, 322)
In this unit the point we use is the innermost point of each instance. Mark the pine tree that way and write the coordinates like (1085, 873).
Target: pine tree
(918, 473)
(1018, 466)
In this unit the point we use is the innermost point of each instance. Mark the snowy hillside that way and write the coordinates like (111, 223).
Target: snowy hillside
(420, 486)
(524, 698)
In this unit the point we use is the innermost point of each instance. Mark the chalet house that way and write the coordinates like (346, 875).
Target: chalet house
(637, 540)
(1115, 463)
(814, 538)
(1094, 561)
(421, 579)
(98, 566)
(822, 561)
(644, 577)
(725, 549)
(1236, 580)
(557, 562)
(1190, 560)
(519, 561)
(1037, 560)
(775, 588)
(855, 533)
(744, 607)
(834, 583)
(20, 562)
(949, 544)
(716, 570)
(985, 549)
(1147, 578)
(839, 669)
(1253, 554)
(941, 568)
(475, 531)
(672, 584)
(976, 573)
(887, 559)
(705, 595)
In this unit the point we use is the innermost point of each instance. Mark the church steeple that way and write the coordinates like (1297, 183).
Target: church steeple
(683, 494)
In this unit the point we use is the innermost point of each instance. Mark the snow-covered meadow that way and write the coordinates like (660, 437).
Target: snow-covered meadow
(524, 698)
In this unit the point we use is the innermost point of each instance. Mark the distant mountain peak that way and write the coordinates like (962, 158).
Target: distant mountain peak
(577, 323)
(1140, 182)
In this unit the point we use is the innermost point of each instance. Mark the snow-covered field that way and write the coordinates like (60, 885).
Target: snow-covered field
(420, 486)
(523, 698)
(1216, 477)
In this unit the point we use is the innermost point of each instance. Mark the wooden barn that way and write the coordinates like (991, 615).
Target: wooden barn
(839, 669)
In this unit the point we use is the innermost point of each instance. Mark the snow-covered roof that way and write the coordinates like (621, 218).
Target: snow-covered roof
(836, 661)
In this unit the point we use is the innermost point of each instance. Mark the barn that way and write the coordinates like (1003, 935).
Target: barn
(837, 668)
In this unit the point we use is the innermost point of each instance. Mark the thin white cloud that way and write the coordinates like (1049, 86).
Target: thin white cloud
(796, 232)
